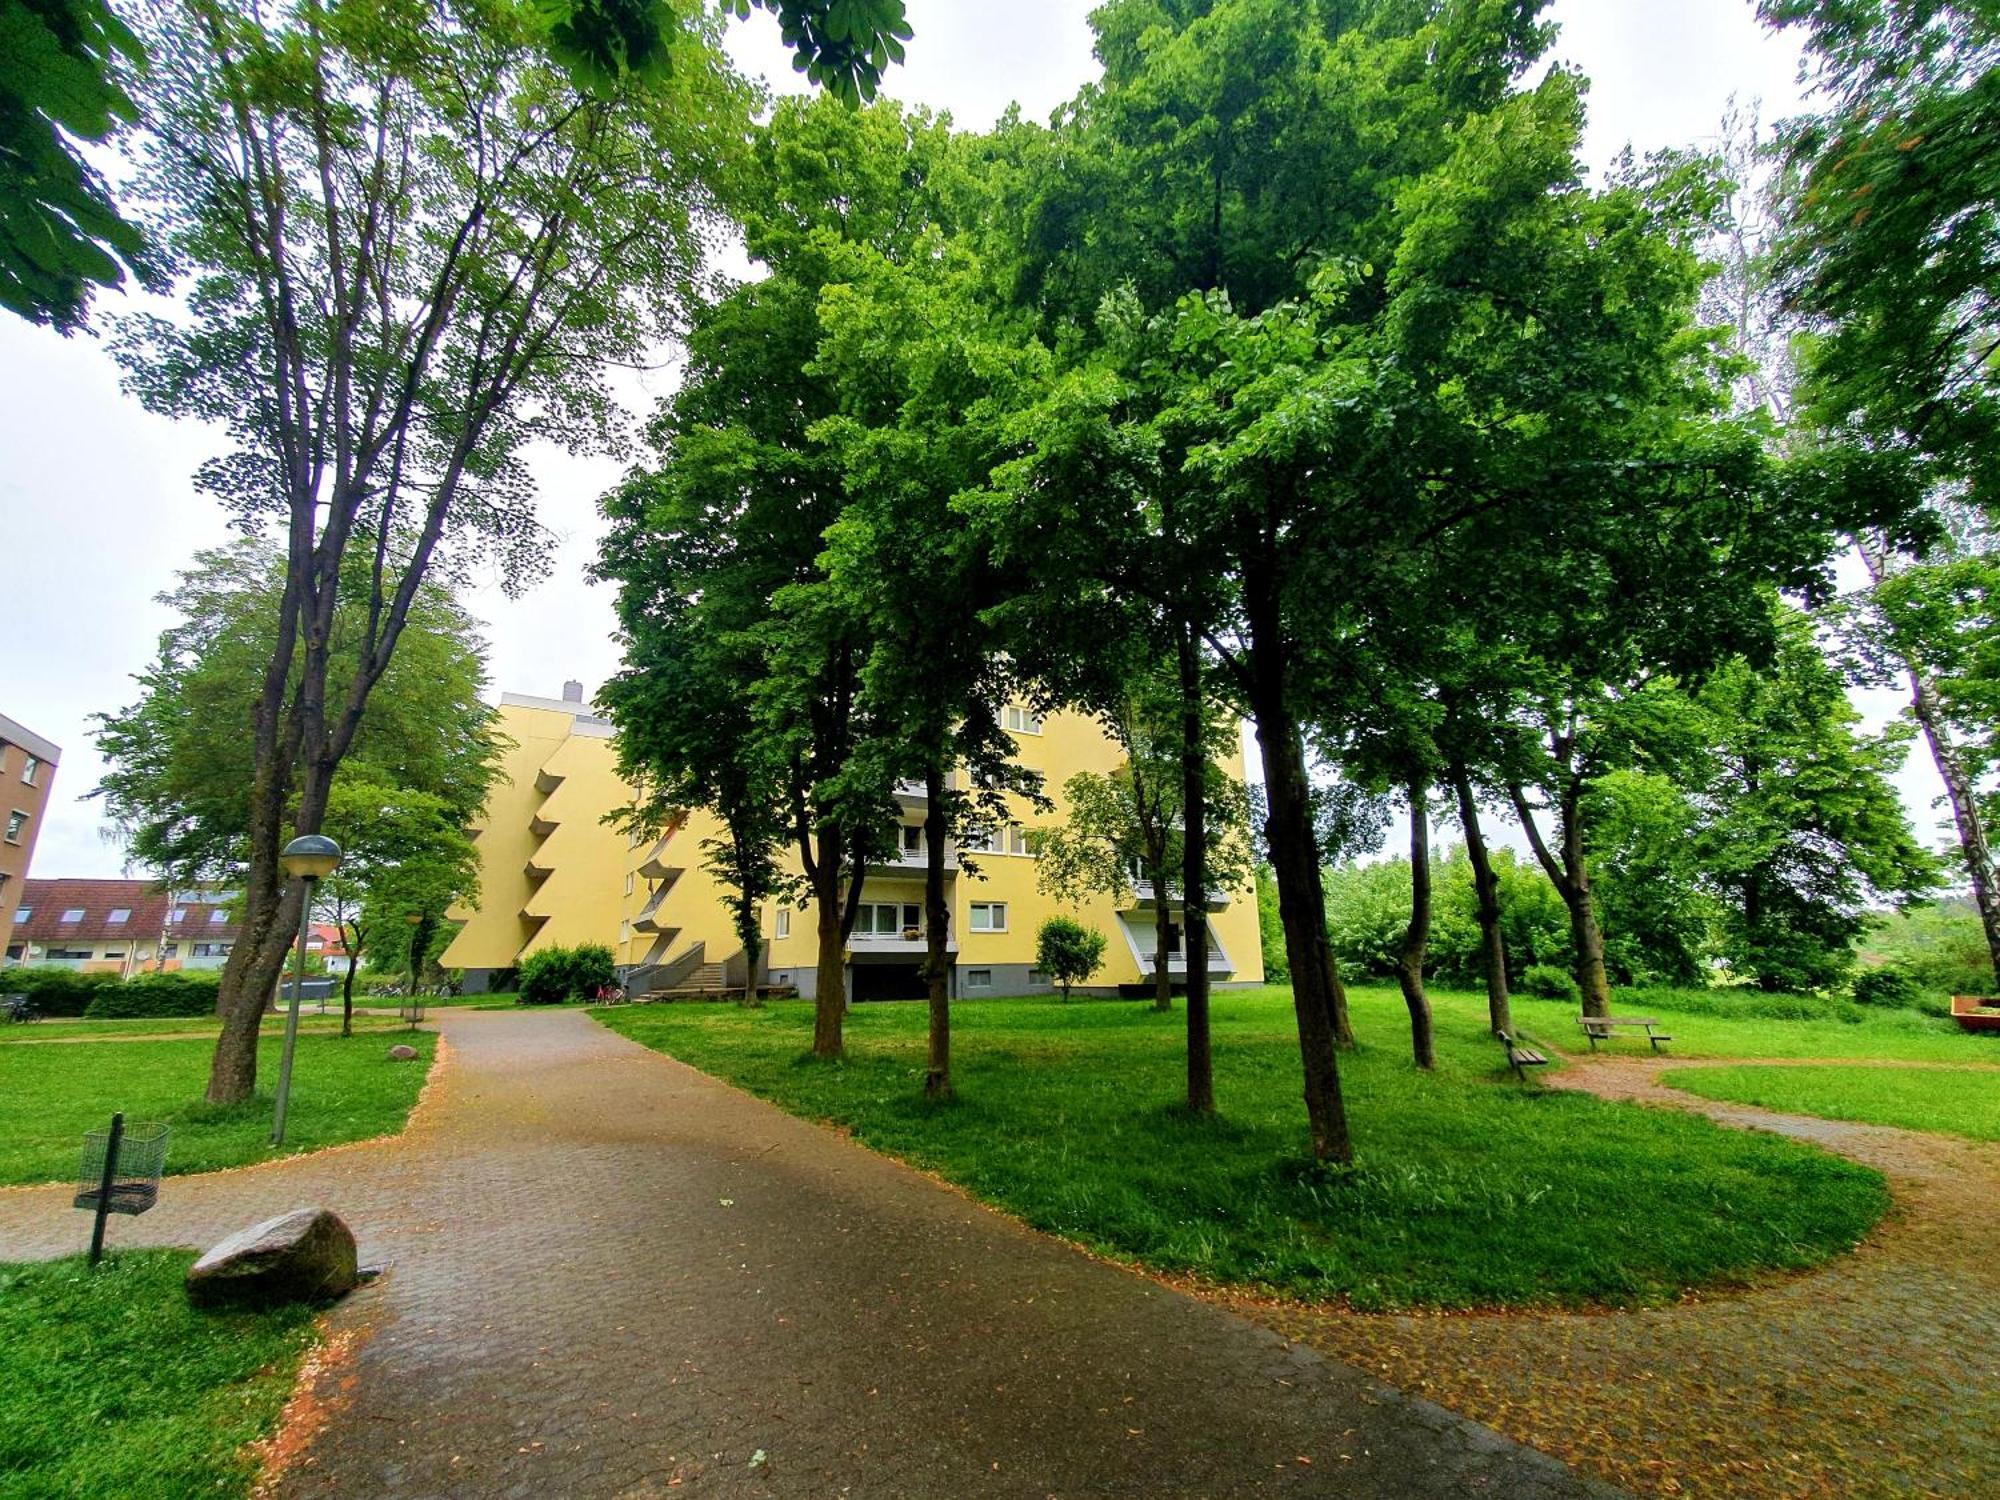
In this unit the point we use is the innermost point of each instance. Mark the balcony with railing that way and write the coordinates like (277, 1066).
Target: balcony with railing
(893, 928)
(909, 856)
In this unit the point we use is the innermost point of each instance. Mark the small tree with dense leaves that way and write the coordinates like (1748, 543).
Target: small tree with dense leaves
(1068, 952)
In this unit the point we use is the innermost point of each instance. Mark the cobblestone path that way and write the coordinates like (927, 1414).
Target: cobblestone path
(613, 1276)
(1877, 1375)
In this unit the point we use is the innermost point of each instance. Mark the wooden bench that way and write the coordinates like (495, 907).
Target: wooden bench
(1520, 1058)
(1604, 1028)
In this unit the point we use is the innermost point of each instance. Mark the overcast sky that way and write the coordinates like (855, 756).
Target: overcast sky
(97, 511)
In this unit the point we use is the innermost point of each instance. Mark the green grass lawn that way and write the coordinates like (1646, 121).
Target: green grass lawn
(113, 1385)
(274, 1024)
(342, 1090)
(1899, 1035)
(1955, 1101)
(1469, 1191)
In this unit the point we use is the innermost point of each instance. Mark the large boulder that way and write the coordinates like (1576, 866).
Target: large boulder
(304, 1255)
(402, 1052)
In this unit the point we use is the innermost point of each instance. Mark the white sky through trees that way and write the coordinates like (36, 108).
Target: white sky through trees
(97, 510)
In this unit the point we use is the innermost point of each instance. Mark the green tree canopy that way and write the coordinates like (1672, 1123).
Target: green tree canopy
(61, 237)
(181, 773)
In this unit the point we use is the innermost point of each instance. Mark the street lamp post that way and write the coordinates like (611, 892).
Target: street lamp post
(310, 858)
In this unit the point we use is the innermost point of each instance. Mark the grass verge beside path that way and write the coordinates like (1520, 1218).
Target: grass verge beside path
(113, 1385)
(1953, 1101)
(1898, 1035)
(1470, 1190)
(274, 1024)
(342, 1090)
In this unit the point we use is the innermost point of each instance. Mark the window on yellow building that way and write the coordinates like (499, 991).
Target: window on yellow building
(781, 924)
(988, 916)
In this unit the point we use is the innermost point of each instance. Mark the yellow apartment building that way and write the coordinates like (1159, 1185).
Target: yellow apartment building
(554, 873)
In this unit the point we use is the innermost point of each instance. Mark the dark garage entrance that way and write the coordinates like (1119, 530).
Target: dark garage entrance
(888, 981)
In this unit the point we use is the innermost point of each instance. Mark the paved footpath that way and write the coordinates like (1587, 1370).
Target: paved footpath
(614, 1276)
(1879, 1374)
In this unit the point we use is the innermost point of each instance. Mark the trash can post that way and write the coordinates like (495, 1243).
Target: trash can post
(104, 1187)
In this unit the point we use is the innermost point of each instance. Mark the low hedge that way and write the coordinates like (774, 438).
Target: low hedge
(182, 993)
(56, 992)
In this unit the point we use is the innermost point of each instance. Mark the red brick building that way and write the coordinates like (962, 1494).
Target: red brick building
(27, 770)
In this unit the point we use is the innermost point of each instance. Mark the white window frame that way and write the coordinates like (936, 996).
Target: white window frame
(781, 923)
(913, 838)
(992, 909)
(1023, 720)
(17, 823)
(23, 913)
(979, 840)
(29, 767)
(631, 882)
(1017, 841)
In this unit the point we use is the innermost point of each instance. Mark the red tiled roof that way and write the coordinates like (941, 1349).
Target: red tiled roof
(151, 906)
(47, 900)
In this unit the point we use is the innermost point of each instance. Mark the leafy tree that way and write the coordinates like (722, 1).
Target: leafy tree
(1890, 203)
(1929, 621)
(845, 46)
(1124, 828)
(60, 234)
(1647, 884)
(1800, 830)
(416, 247)
(179, 781)
(720, 551)
(1068, 952)
(1940, 944)
(928, 371)
(404, 859)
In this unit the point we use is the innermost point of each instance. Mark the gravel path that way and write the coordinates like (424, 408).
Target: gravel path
(1877, 1375)
(614, 1276)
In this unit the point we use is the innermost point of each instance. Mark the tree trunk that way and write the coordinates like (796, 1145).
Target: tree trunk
(1194, 877)
(1584, 931)
(830, 999)
(1965, 816)
(1417, 936)
(750, 933)
(353, 943)
(1317, 1000)
(937, 918)
(1163, 921)
(1486, 891)
(1571, 878)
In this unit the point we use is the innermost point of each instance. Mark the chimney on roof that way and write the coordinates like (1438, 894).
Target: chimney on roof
(572, 691)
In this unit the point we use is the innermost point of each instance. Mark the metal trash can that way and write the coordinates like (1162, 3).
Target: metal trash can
(122, 1167)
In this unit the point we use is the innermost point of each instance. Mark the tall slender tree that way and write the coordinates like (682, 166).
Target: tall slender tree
(417, 246)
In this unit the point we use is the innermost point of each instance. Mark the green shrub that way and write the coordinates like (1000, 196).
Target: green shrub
(1068, 952)
(1743, 1002)
(1941, 945)
(1886, 986)
(54, 991)
(1547, 982)
(557, 974)
(187, 992)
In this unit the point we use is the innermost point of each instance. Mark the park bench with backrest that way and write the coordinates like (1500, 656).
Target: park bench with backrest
(1520, 1058)
(1604, 1028)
